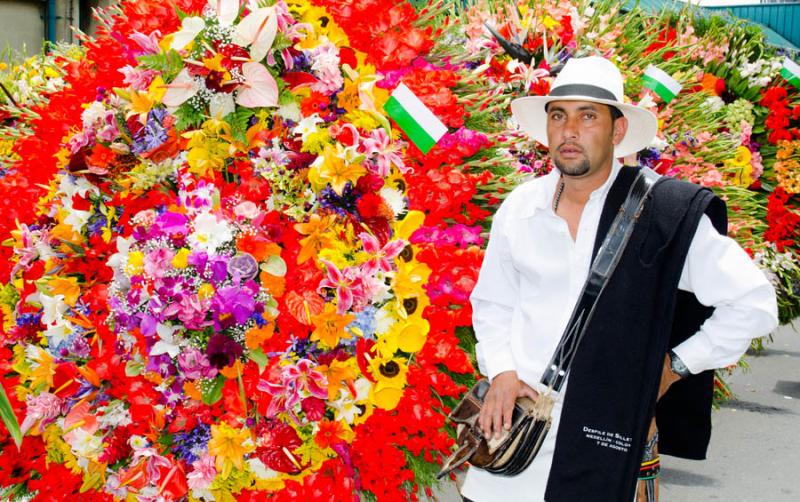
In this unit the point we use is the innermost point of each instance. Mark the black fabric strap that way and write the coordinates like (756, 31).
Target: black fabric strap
(602, 267)
(592, 91)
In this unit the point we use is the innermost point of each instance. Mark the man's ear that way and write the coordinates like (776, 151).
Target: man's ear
(620, 128)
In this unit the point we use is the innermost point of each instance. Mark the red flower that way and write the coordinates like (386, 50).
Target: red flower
(274, 440)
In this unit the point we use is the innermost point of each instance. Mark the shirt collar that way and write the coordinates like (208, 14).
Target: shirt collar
(542, 201)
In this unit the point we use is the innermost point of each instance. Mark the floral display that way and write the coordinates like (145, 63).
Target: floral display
(228, 273)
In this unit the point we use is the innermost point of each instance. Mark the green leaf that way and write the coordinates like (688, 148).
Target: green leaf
(77, 249)
(187, 117)
(258, 357)
(7, 414)
(275, 266)
(240, 121)
(212, 390)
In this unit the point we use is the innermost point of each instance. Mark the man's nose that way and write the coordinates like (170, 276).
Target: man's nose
(571, 127)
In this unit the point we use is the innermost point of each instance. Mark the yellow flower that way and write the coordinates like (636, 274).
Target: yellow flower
(229, 446)
(316, 141)
(135, 263)
(205, 291)
(409, 279)
(336, 166)
(549, 22)
(329, 326)
(409, 224)
(743, 156)
(362, 120)
(208, 149)
(411, 334)
(181, 258)
(390, 376)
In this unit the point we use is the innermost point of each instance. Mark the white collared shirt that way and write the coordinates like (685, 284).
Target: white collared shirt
(531, 278)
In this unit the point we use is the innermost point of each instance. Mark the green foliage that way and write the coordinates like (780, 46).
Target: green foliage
(7, 414)
(169, 64)
(186, 118)
(239, 122)
(424, 471)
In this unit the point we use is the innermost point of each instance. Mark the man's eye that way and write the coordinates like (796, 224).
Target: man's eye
(589, 116)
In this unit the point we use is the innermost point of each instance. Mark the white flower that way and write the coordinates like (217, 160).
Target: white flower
(345, 407)
(77, 219)
(53, 309)
(95, 112)
(167, 343)
(114, 415)
(260, 470)
(57, 334)
(85, 444)
(209, 232)
(307, 126)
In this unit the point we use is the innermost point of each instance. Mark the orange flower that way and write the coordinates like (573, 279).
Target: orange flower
(329, 326)
(255, 336)
(316, 229)
(338, 373)
(258, 246)
(331, 432)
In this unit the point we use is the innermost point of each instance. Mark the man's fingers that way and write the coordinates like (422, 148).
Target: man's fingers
(508, 411)
(527, 391)
(497, 417)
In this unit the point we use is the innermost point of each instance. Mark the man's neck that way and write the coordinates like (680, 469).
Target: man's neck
(578, 189)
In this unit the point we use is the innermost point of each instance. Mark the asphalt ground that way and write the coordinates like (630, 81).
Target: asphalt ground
(754, 454)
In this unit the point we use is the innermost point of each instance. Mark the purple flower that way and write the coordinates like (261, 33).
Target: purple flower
(232, 305)
(172, 223)
(153, 134)
(198, 260)
(219, 269)
(243, 266)
(222, 351)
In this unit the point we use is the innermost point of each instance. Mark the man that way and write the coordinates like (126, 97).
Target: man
(681, 284)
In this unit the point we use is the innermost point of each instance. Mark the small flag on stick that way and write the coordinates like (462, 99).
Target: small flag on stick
(791, 72)
(414, 118)
(661, 83)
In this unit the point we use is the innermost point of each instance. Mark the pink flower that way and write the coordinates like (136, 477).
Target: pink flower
(45, 408)
(157, 262)
(380, 144)
(297, 381)
(203, 473)
(344, 285)
(195, 364)
(380, 257)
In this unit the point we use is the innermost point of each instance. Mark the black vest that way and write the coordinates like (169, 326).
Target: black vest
(613, 383)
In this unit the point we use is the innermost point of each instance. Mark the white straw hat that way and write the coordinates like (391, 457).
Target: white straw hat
(594, 79)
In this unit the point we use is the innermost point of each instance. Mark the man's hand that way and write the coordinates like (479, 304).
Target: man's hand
(667, 377)
(499, 402)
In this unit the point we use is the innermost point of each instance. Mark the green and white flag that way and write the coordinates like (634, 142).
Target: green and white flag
(661, 83)
(791, 72)
(414, 118)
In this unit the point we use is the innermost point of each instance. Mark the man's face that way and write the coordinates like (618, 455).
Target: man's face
(582, 135)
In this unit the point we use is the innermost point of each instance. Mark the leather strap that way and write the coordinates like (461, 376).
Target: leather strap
(603, 266)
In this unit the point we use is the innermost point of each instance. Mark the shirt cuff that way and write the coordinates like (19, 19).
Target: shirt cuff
(496, 363)
(694, 351)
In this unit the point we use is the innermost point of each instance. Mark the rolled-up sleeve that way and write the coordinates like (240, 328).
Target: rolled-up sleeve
(493, 301)
(722, 275)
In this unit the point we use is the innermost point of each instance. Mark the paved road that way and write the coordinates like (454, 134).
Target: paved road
(755, 446)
